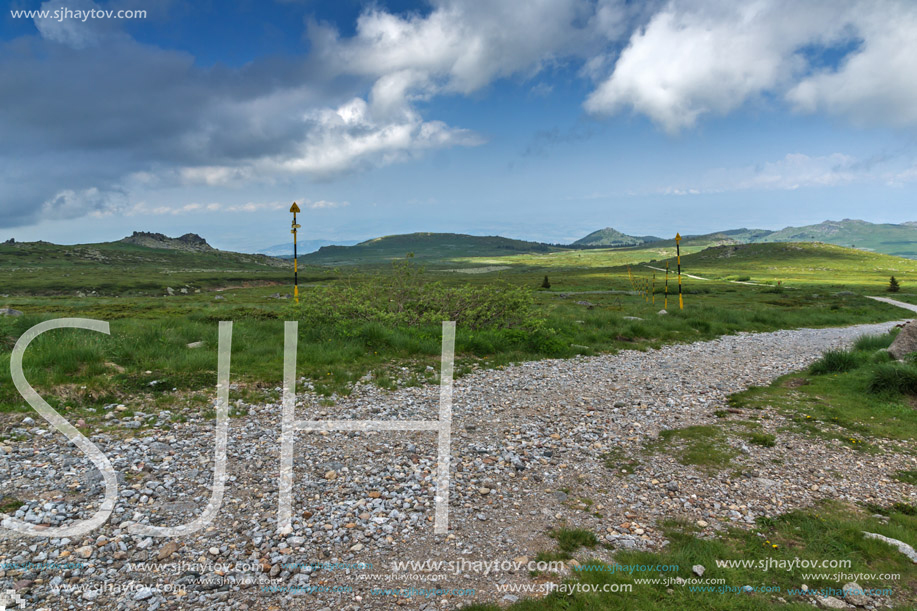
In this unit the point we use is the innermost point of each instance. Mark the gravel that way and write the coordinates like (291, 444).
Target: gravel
(527, 447)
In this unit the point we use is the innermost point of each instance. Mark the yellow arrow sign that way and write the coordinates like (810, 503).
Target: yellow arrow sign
(294, 208)
(677, 236)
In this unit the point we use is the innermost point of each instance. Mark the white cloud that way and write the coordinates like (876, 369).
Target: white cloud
(877, 84)
(143, 208)
(702, 57)
(69, 24)
(351, 136)
(215, 175)
(796, 171)
(695, 58)
(70, 203)
(324, 204)
(462, 46)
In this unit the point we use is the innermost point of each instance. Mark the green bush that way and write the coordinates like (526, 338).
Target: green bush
(834, 361)
(894, 378)
(405, 298)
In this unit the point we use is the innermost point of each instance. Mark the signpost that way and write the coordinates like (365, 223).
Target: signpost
(294, 209)
(681, 302)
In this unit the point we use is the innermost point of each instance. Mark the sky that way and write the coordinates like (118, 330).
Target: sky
(533, 119)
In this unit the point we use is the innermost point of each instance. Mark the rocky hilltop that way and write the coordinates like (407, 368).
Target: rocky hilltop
(189, 242)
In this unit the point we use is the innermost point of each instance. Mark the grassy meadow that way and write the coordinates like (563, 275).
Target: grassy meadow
(383, 318)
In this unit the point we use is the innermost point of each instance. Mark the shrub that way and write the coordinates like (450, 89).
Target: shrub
(404, 298)
(545, 284)
(834, 361)
(893, 285)
(894, 378)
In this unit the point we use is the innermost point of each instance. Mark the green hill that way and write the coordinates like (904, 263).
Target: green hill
(809, 262)
(886, 238)
(424, 246)
(140, 264)
(612, 237)
(891, 239)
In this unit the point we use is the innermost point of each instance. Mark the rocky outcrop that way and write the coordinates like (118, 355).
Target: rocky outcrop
(188, 242)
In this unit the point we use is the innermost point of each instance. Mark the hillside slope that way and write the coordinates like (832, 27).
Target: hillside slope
(610, 236)
(128, 267)
(815, 262)
(886, 238)
(424, 246)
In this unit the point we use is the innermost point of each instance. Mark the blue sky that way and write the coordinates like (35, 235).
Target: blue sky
(537, 119)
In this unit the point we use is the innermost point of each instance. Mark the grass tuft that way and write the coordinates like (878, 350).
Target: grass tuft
(571, 539)
(835, 361)
(894, 379)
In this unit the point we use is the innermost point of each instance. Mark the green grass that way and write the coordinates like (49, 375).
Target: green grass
(765, 440)
(865, 398)
(76, 370)
(894, 379)
(10, 504)
(831, 531)
(908, 477)
(700, 445)
(835, 361)
(569, 540)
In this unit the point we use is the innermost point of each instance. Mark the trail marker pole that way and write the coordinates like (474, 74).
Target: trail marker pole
(654, 289)
(666, 305)
(681, 301)
(294, 209)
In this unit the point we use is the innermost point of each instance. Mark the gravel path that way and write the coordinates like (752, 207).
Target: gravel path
(527, 448)
(895, 302)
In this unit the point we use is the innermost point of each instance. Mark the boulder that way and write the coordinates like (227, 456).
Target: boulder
(9, 312)
(854, 595)
(906, 342)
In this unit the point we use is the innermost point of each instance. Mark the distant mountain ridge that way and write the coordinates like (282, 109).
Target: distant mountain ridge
(888, 238)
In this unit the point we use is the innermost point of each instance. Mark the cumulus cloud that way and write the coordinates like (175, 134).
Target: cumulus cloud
(70, 204)
(709, 57)
(875, 85)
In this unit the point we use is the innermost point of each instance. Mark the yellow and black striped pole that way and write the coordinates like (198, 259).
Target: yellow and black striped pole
(294, 209)
(681, 301)
(654, 289)
(666, 304)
